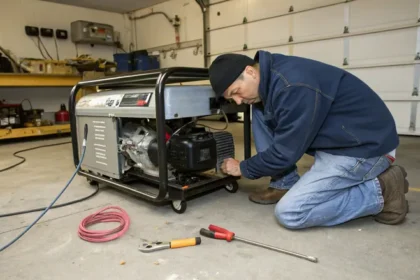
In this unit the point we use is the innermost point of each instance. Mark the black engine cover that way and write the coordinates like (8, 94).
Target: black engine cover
(194, 152)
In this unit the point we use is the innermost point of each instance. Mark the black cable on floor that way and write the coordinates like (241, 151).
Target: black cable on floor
(30, 149)
(23, 159)
(55, 206)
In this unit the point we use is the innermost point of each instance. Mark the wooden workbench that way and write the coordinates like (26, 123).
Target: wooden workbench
(36, 80)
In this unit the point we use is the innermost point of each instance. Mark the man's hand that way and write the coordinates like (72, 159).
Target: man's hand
(230, 166)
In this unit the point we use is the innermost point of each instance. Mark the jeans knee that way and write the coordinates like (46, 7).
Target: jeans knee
(287, 216)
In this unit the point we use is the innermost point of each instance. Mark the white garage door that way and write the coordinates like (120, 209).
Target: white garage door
(377, 40)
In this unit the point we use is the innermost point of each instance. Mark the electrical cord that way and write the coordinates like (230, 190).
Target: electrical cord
(56, 48)
(29, 149)
(43, 208)
(195, 121)
(53, 207)
(226, 123)
(58, 196)
(37, 45)
(42, 43)
(104, 216)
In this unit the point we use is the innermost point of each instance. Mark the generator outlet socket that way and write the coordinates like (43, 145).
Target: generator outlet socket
(32, 30)
(47, 32)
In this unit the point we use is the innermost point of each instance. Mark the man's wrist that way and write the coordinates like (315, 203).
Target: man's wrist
(243, 166)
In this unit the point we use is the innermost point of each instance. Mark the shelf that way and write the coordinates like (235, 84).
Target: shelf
(34, 131)
(38, 80)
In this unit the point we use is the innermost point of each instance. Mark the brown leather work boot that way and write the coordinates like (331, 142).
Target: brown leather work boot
(394, 186)
(268, 196)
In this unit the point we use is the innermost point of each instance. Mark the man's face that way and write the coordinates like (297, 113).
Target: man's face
(245, 88)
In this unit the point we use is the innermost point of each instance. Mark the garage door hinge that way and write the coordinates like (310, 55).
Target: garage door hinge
(345, 62)
(346, 29)
(415, 92)
(290, 38)
(417, 56)
(291, 9)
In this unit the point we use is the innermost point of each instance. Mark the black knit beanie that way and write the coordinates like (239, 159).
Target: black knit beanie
(225, 69)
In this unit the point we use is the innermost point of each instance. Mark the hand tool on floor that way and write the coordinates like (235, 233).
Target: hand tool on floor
(222, 233)
(148, 247)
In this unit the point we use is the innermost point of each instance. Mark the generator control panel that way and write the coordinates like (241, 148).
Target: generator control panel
(85, 32)
(135, 99)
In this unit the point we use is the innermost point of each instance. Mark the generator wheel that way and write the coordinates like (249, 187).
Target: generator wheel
(232, 187)
(92, 182)
(179, 206)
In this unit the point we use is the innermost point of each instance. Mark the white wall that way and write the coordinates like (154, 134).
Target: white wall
(381, 50)
(15, 14)
(156, 31)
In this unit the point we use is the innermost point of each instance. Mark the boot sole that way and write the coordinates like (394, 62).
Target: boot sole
(396, 221)
(263, 202)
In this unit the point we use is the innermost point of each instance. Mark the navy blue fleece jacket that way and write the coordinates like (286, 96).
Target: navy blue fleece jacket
(312, 106)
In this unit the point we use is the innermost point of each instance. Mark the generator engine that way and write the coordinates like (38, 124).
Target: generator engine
(191, 150)
(139, 145)
(124, 138)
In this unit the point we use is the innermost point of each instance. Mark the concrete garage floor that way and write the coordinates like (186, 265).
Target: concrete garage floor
(361, 249)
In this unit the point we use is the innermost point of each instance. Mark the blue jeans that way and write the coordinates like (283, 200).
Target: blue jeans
(335, 190)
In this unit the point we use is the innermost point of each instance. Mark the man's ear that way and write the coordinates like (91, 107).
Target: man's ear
(251, 71)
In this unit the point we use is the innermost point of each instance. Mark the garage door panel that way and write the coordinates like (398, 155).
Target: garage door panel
(262, 33)
(183, 57)
(250, 53)
(231, 12)
(318, 23)
(401, 113)
(258, 9)
(300, 5)
(391, 83)
(417, 125)
(282, 50)
(370, 14)
(330, 52)
(387, 47)
(227, 40)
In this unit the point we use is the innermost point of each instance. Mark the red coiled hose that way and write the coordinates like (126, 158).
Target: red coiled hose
(104, 216)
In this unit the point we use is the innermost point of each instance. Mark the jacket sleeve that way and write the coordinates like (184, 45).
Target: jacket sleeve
(299, 112)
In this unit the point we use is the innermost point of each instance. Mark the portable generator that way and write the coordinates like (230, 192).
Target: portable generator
(143, 133)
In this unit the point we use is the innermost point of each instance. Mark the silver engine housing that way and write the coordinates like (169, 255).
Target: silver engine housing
(135, 142)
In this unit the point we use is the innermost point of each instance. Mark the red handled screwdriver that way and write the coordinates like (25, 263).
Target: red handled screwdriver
(222, 233)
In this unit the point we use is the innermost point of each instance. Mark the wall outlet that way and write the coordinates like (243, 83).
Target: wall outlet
(47, 32)
(32, 30)
(61, 34)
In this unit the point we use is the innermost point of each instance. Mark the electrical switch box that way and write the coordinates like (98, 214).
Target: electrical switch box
(47, 32)
(61, 34)
(32, 31)
(85, 32)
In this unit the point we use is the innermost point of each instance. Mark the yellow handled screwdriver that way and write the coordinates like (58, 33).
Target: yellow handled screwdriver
(148, 247)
